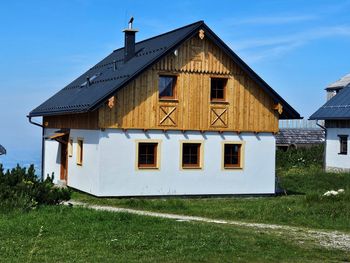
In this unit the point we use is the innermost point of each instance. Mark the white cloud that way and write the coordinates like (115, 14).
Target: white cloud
(259, 48)
(274, 20)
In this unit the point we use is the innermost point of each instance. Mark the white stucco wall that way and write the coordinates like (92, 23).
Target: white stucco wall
(52, 156)
(109, 164)
(119, 176)
(334, 160)
(85, 177)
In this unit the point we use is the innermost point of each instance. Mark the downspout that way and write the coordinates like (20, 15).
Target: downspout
(42, 144)
(325, 144)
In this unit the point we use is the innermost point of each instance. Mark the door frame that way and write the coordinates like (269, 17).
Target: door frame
(64, 158)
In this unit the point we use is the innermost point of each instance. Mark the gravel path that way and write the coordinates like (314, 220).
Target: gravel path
(328, 239)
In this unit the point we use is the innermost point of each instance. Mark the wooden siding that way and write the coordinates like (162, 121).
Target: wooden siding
(247, 107)
(74, 121)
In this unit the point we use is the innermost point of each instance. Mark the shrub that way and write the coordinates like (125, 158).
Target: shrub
(301, 157)
(20, 188)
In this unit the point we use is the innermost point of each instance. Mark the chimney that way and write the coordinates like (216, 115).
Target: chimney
(129, 41)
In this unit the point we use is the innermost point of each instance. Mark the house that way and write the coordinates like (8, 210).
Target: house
(336, 115)
(299, 134)
(176, 114)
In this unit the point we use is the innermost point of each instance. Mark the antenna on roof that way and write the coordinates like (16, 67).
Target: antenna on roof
(130, 22)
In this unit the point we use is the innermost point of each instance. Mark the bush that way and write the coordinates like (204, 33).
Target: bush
(302, 157)
(20, 188)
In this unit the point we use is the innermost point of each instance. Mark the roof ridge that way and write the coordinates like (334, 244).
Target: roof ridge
(200, 22)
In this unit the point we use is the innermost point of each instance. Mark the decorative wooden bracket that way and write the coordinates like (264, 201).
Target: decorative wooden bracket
(111, 102)
(167, 119)
(220, 118)
(201, 34)
(278, 107)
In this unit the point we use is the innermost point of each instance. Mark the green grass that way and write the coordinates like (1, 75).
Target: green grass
(308, 208)
(63, 234)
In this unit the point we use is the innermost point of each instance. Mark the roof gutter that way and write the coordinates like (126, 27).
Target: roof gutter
(34, 123)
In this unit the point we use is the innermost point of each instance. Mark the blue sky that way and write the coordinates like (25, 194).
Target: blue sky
(298, 47)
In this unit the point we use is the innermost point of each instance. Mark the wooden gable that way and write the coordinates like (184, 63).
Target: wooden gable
(247, 106)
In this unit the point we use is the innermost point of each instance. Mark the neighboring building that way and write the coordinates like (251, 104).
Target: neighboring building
(176, 114)
(336, 115)
(299, 134)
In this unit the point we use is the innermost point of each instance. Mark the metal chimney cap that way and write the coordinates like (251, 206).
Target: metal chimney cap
(130, 30)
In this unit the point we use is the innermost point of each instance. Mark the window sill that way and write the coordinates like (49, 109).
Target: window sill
(148, 168)
(219, 102)
(191, 168)
(342, 153)
(233, 168)
(168, 100)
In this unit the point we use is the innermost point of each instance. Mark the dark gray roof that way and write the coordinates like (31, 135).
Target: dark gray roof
(300, 136)
(337, 108)
(77, 97)
(2, 150)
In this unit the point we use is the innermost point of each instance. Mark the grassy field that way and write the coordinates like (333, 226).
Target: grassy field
(63, 234)
(304, 204)
(66, 234)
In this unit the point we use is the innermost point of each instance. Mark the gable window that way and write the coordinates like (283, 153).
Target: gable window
(217, 89)
(70, 147)
(191, 155)
(80, 151)
(343, 141)
(147, 155)
(232, 155)
(166, 87)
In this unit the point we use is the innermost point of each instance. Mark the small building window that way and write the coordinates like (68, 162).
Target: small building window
(147, 155)
(80, 151)
(70, 147)
(217, 89)
(232, 155)
(191, 155)
(343, 140)
(166, 87)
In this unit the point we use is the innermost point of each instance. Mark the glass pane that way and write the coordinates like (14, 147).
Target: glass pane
(147, 153)
(165, 86)
(217, 88)
(190, 153)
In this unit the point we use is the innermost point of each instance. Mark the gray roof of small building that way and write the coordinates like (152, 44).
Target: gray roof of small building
(341, 83)
(300, 136)
(337, 108)
(2, 150)
(77, 97)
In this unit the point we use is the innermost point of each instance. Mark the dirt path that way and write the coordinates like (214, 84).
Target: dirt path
(329, 239)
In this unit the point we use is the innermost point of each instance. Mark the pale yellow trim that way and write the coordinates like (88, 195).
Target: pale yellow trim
(70, 147)
(80, 151)
(159, 142)
(241, 167)
(201, 154)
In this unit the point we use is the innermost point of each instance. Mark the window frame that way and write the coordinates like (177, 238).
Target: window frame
(222, 100)
(342, 137)
(241, 156)
(167, 98)
(157, 155)
(80, 151)
(200, 158)
(70, 147)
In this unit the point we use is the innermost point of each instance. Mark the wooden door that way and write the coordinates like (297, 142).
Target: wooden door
(64, 158)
